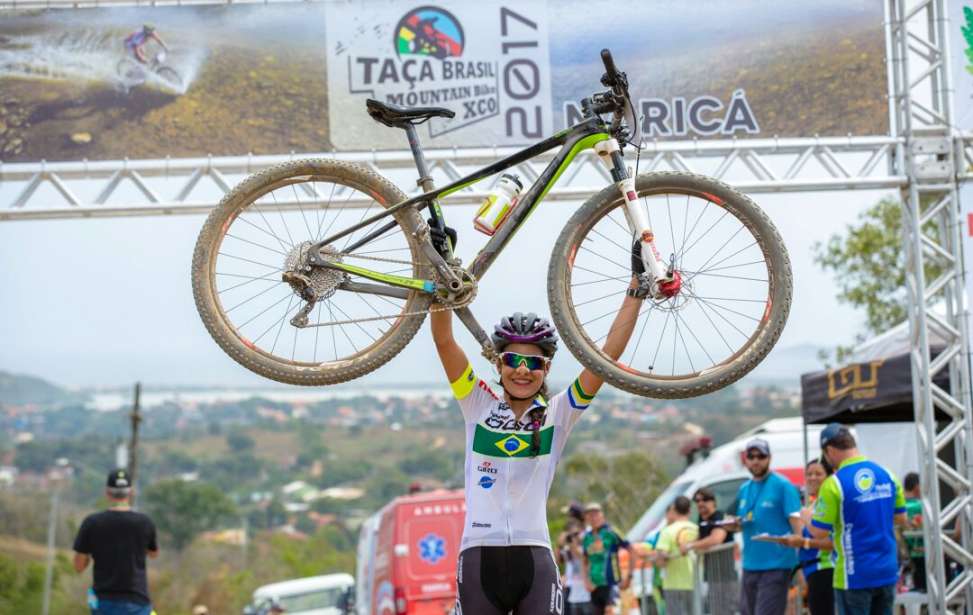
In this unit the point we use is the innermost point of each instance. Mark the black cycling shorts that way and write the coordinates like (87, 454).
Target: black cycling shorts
(501, 580)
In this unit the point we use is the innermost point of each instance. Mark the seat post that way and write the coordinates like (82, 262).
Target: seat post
(425, 181)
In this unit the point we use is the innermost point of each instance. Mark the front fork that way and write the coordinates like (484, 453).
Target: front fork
(658, 280)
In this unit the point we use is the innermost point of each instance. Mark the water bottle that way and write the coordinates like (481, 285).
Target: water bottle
(497, 206)
(92, 599)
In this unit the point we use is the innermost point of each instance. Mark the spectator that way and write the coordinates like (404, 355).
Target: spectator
(719, 570)
(117, 539)
(200, 609)
(865, 496)
(766, 504)
(601, 545)
(652, 589)
(815, 553)
(913, 511)
(570, 554)
(678, 578)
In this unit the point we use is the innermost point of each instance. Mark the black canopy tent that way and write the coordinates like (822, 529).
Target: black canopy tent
(876, 390)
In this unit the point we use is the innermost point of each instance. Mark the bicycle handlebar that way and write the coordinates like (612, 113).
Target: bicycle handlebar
(611, 73)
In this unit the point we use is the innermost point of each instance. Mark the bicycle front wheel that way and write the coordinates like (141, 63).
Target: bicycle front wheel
(730, 311)
(265, 227)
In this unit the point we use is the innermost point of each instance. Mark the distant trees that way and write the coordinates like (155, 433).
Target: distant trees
(183, 510)
(239, 441)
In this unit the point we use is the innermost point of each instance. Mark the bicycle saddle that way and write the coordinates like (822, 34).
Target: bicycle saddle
(398, 117)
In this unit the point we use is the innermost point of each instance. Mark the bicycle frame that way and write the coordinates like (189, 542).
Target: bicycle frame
(573, 140)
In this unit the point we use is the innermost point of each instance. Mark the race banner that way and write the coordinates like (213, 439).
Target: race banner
(961, 55)
(280, 77)
(486, 61)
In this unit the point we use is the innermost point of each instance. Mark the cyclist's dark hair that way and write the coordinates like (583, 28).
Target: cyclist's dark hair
(911, 481)
(821, 462)
(681, 505)
(706, 493)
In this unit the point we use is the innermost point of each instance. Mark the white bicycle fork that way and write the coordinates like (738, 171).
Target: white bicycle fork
(638, 222)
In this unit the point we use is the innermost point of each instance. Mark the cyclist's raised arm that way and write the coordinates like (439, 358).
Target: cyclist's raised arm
(450, 354)
(158, 39)
(618, 336)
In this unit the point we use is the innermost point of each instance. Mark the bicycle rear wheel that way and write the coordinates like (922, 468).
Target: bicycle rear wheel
(264, 227)
(735, 296)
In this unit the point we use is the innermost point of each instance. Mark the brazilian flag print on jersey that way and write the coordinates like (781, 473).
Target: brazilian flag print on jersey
(507, 444)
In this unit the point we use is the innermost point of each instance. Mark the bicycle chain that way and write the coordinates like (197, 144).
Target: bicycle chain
(441, 308)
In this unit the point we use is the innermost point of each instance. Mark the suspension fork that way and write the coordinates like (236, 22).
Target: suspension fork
(661, 279)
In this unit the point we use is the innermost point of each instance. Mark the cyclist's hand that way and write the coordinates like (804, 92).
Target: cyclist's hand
(440, 237)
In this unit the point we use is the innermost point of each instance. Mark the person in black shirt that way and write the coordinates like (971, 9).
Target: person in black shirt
(117, 539)
(718, 564)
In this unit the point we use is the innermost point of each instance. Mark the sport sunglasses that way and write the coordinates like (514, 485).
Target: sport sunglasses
(533, 362)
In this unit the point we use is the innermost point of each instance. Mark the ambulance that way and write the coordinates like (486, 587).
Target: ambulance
(407, 555)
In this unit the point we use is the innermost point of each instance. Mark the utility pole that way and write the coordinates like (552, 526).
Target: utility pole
(51, 529)
(136, 419)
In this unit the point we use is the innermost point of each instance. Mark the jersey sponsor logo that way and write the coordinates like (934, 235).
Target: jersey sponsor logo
(478, 524)
(486, 467)
(487, 482)
(486, 388)
(864, 480)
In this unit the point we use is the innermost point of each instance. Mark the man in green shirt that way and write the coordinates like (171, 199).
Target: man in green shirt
(601, 545)
(858, 506)
(678, 573)
(913, 511)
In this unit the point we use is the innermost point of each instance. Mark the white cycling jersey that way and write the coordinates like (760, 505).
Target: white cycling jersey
(507, 488)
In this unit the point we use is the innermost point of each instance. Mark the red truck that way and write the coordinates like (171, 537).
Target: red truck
(407, 555)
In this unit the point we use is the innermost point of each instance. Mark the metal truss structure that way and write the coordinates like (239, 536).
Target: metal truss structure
(157, 187)
(923, 156)
(932, 157)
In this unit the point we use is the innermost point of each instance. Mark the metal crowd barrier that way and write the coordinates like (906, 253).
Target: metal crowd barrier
(717, 582)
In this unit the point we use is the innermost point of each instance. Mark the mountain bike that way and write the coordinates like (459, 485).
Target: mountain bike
(318, 271)
(132, 73)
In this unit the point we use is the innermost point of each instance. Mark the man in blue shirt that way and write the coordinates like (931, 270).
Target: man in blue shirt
(858, 506)
(766, 504)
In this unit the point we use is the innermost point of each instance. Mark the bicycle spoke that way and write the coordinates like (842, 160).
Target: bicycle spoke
(718, 250)
(728, 277)
(267, 278)
(263, 292)
(280, 212)
(604, 258)
(241, 218)
(355, 322)
(612, 294)
(240, 258)
(282, 319)
(269, 227)
(318, 236)
(254, 243)
(317, 331)
(290, 293)
(607, 279)
(658, 346)
(641, 333)
(345, 333)
(301, 208)
(684, 249)
(685, 347)
(746, 247)
(598, 273)
(700, 344)
(705, 233)
(702, 309)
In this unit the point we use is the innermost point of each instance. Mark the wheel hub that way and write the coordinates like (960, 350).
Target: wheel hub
(320, 282)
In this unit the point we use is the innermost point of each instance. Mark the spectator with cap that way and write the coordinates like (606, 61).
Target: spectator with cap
(864, 496)
(600, 562)
(677, 562)
(118, 540)
(577, 600)
(913, 512)
(719, 570)
(767, 504)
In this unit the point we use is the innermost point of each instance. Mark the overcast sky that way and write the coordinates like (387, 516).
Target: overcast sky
(108, 302)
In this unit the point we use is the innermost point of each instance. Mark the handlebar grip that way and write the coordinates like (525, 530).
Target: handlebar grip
(606, 58)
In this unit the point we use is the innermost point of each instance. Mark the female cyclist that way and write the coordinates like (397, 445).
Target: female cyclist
(513, 442)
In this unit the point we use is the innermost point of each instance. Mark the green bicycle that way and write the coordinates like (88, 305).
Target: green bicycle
(298, 286)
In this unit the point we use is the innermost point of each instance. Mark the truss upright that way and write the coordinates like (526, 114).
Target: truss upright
(921, 115)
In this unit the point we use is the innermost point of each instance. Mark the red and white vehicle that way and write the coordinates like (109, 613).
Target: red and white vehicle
(407, 555)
